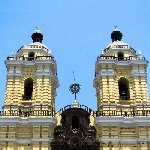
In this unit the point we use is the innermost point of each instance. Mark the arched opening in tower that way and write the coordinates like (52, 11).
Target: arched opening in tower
(31, 56)
(28, 89)
(123, 84)
(120, 56)
(75, 122)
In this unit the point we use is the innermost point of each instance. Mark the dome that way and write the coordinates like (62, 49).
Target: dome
(35, 46)
(37, 36)
(116, 35)
(118, 44)
(38, 44)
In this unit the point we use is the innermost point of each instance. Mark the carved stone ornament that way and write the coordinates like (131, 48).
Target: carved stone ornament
(75, 133)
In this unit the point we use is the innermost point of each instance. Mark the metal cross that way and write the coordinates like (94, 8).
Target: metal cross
(74, 88)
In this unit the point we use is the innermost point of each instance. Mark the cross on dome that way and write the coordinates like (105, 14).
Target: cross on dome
(37, 36)
(116, 35)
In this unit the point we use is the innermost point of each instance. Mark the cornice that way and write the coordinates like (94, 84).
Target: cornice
(122, 121)
(121, 63)
(29, 63)
(124, 140)
(25, 140)
(5, 121)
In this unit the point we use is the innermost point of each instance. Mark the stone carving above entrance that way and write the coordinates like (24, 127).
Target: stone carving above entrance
(75, 133)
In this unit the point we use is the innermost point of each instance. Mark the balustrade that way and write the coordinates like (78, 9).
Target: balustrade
(145, 113)
(31, 58)
(118, 58)
(28, 113)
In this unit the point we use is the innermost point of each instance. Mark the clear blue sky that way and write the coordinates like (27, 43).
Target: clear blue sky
(76, 31)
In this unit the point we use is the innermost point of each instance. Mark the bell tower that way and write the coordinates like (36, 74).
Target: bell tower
(31, 78)
(120, 74)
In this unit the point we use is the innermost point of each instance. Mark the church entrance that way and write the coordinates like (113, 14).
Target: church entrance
(75, 132)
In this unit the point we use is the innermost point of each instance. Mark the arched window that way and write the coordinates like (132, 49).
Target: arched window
(75, 122)
(120, 56)
(124, 89)
(28, 89)
(31, 56)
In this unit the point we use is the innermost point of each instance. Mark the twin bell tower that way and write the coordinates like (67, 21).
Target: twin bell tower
(29, 120)
(31, 78)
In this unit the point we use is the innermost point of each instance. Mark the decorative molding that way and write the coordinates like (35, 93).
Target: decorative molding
(30, 63)
(121, 63)
(124, 140)
(136, 72)
(45, 120)
(14, 74)
(106, 72)
(44, 73)
(123, 121)
(24, 141)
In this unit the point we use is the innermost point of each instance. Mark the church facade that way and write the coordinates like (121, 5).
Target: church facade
(29, 120)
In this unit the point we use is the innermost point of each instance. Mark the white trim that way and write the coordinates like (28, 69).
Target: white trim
(122, 121)
(15, 74)
(30, 63)
(106, 72)
(40, 139)
(8, 140)
(46, 121)
(121, 63)
(124, 140)
(23, 141)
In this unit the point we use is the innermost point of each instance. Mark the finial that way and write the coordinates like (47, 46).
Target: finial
(139, 55)
(37, 30)
(12, 54)
(75, 87)
(37, 36)
(74, 76)
(116, 35)
(139, 52)
(116, 27)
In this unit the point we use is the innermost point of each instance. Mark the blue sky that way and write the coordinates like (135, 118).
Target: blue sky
(76, 31)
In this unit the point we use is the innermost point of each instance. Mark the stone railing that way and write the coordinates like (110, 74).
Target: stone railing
(118, 58)
(145, 113)
(118, 47)
(79, 106)
(125, 111)
(28, 111)
(31, 58)
(34, 47)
